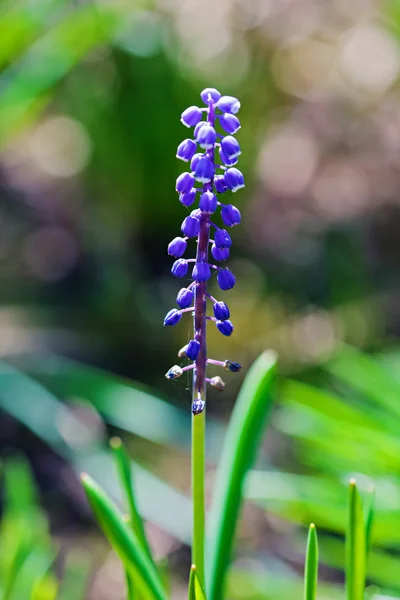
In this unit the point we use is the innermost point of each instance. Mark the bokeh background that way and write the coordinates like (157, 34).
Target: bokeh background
(90, 98)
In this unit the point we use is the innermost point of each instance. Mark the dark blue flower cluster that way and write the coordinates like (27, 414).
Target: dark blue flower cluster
(212, 154)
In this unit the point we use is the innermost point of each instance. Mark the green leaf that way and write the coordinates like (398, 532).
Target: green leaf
(195, 591)
(355, 547)
(240, 446)
(311, 565)
(369, 518)
(122, 538)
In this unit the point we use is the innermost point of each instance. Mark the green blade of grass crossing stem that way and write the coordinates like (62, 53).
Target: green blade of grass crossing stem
(195, 591)
(122, 539)
(240, 446)
(311, 565)
(355, 547)
(369, 518)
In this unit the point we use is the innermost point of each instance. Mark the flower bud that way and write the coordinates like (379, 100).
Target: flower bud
(221, 311)
(208, 202)
(188, 198)
(204, 170)
(225, 327)
(195, 160)
(210, 92)
(218, 383)
(219, 253)
(230, 147)
(222, 239)
(219, 184)
(174, 372)
(201, 272)
(180, 268)
(229, 123)
(184, 183)
(193, 349)
(182, 352)
(184, 298)
(228, 104)
(186, 150)
(190, 227)
(229, 162)
(232, 367)
(198, 406)
(230, 215)
(177, 247)
(198, 127)
(191, 116)
(206, 137)
(226, 279)
(234, 179)
(172, 317)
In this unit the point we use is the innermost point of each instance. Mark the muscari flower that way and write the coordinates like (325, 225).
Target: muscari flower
(217, 121)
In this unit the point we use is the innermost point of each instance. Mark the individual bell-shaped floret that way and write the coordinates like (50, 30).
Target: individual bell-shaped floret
(228, 104)
(196, 213)
(180, 268)
(191, 116)
(210, 95)
(184, 183)
(190, 226)
(221, 311)
(217, 383)
(232, 367)
(230, 147)
(230, 215)
(234, 179)
(229, 162)
(198, 127)
(204, 170)
(188, 198)
(222, 239)
(225, 327)
(201, 271)
(186, 150)
(206, 136)
(226, 279)
(219, 184)
(184, 298)
(208, 202)
(182, 352)
(219, 253)
(174, 372)
(229, 123)
(192, 349)
(177, 247)
(195, 160)
(198, 406)
(172, 317)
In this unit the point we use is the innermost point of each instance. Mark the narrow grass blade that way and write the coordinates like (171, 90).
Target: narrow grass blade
(122, 538)
(369, 518)
(240, 446)
(311, 565)
(195, 591)
(198, 494)
(355, 547)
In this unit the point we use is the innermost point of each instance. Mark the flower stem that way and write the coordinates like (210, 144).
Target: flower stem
(198, 466)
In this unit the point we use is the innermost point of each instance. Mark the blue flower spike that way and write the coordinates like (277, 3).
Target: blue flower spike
(211, 153)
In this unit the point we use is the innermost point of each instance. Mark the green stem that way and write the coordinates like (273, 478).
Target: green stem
(198, 469)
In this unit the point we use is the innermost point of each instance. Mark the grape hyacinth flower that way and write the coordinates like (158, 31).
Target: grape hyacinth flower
(213, 143)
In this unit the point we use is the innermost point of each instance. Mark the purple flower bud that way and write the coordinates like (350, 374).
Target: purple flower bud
(206, 137)
(190, 227)
(174, 372)
(188, 198)
(196, 213)
(230, 215)
(191, 116)
(228, 104)
(225, 327)
(177, 247)
(184, 298)
(219, 184)
(180, 268)
(198, 406)
(195, 160)
(229, 162)
(230, 147)
(234, 179)
(232, 367)
(186, 150)
(184, 183)
(201, 271)
(198, 127)
(219, 253)
(172, 317)
(222, 239)
(208, 202)
(215, 95)
(221, 311)
(193, 349)
(204, 170)
(229, 123)
(226, 279)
